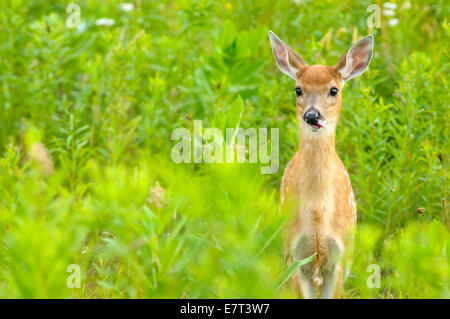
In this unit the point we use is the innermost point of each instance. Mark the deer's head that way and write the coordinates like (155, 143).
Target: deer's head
(318, 87)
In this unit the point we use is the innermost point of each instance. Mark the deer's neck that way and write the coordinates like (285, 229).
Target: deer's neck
(317, 149)
(317, 159)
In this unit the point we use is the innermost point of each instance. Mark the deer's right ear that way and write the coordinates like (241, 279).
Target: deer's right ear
(287, 59)
(356, 60)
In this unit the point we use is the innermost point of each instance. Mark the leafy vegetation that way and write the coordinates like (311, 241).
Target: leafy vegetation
(87, 114)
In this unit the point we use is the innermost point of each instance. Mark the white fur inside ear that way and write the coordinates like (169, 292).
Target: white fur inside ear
(281, 54)
(347, 70)
(357, 58)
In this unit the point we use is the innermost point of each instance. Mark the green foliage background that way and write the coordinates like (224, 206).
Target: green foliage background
(86, 116)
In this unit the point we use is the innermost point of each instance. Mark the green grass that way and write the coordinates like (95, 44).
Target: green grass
(86, 176)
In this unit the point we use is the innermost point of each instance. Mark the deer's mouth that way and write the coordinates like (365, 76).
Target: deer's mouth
(314, 119)
(315, 124)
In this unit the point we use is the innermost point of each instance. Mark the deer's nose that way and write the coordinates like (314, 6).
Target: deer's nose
(311, 116)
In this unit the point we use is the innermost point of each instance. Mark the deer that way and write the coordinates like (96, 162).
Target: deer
(315, 189)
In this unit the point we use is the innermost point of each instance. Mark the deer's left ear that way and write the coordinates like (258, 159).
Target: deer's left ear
(288, 60)
(356, 60)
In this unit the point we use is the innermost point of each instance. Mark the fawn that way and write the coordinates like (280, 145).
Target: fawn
(316, 188)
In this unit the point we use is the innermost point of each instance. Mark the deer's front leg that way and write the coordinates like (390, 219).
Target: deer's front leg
(303, 248)
(332, 271)
(329, 284)
(333, 286)
(305, 282)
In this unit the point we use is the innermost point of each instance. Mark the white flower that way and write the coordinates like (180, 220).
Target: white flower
(127, 7)
(390, 5)
(388, 13)
(393, 22)
(105, 21)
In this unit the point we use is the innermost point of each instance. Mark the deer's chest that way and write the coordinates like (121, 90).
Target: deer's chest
(313, 200)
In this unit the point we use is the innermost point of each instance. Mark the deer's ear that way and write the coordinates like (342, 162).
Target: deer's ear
(356, 60)
(287, 59)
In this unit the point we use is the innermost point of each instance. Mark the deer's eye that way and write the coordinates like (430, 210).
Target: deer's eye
(298, 91)
(333, 91)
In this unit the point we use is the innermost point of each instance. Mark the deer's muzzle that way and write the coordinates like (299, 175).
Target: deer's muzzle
(312, 117)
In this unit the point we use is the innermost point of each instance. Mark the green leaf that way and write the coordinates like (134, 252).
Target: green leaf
(234, 115)
(289, 272)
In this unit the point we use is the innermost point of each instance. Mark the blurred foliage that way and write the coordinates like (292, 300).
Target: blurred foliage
(87, 115)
